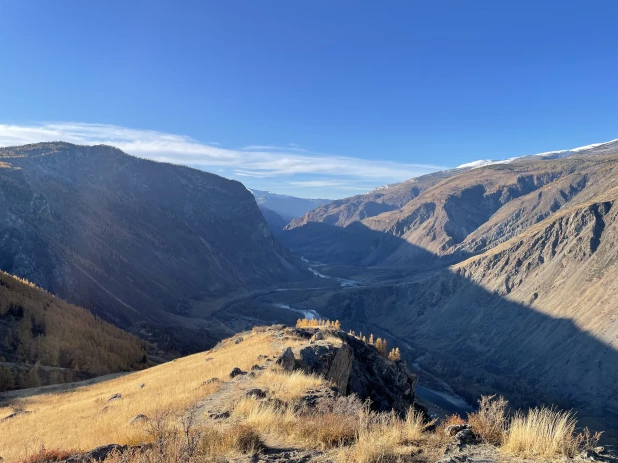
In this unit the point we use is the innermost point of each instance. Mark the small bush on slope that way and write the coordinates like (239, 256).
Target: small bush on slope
(489, 422)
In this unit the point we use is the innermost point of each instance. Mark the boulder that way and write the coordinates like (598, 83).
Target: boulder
(454, 429)
(316, 357)
(236, 372)
(323, 358)
(138, 419)
(98, 454)
(318, 336)
(286, 360)
(255, 393)
(341, 368)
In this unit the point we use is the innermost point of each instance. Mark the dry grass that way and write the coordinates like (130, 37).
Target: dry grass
(309, 428)
(177, 443)
(383, 438)
(83, 418)
(288, 386)
(175, 432)
(541, 433)
(489, 422)
(544, 433)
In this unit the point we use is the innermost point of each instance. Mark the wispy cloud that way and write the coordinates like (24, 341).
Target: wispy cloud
(259, 161)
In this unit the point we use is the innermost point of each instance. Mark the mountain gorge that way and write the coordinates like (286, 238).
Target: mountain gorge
(499, 279)
(492, 279)
(288, 207)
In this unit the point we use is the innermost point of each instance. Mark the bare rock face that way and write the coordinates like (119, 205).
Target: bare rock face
(286, 360)
(358, 368)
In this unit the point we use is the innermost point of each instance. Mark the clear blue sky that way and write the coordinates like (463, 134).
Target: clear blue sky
(387, 89)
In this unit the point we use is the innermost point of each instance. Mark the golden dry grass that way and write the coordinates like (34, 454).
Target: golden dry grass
(489, 421)
(297, 428)
(288, 386)
(83, 418)
(385, 438)
(542, 433)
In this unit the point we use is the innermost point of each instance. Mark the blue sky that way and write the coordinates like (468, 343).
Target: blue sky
(311, 98)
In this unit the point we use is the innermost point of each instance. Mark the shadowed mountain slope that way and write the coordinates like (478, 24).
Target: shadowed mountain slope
(288, 207)
(534, 317)
(130, 239)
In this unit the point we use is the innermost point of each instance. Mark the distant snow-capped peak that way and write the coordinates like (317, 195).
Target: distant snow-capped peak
(546, 155)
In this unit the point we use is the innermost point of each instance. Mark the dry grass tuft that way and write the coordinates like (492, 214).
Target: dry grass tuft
(288, 386)
(46, 456)
(489, 422)
(325, 427)
(543, 432)
(384, 438)
(235, 439)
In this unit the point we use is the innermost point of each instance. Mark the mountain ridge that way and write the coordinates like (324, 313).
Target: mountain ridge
(133, 240)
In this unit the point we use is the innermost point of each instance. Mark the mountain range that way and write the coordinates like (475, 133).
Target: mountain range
(500, 278)
(496, 278)
(288, 207)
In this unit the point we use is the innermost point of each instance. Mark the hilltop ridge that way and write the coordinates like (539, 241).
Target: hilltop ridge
(272, 394)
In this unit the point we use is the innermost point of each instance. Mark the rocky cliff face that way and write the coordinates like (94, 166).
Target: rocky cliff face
(355, 367)
(352, 366)
(534, 317)
(132, 240)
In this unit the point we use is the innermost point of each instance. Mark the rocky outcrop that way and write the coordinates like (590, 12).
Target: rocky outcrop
(358, 368)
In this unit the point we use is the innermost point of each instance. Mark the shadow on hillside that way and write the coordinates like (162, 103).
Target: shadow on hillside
(356, 245)
(478, 340)
(12, 399)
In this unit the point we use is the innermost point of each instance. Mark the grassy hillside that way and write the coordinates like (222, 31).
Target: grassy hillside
(44, 340)
(244, 401)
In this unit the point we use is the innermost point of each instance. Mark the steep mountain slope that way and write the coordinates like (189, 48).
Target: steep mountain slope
(44, 340)
(392, 197)
(534, 317)
(288, 207)
(130, 239)
(274, 220)
(343, 212)
(473, 210)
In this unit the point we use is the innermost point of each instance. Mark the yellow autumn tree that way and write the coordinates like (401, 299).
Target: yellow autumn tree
(381, 346)
(394, 354)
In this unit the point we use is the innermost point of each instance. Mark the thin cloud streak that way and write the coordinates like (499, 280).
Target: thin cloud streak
(253, 161)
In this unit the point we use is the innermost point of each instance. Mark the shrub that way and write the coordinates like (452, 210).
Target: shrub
(315, 323)
(46, 456)
(489, 422)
